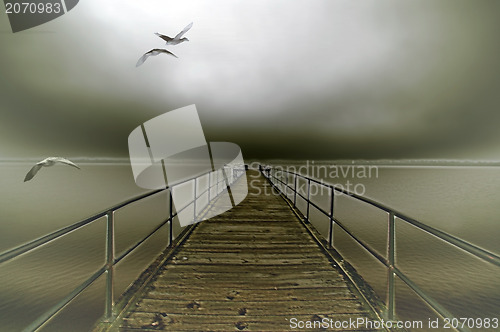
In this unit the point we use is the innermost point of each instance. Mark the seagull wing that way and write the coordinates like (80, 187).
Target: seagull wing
(32, 172)
(153, 52)
(165, 38)
(66, 161)
(142, 59)
(186, 29)
(164, 51)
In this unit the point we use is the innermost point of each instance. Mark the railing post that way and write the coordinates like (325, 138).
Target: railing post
(217, 184)
(220, 180)
(280, 182)
(308, 198)
(209, 186)
(295, 190)
(286, 184)
(330, 233)
(170, 217)
(194, 202)
(391, 250)
(110, 257)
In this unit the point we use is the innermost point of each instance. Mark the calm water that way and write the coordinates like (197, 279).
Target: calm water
(464, 201)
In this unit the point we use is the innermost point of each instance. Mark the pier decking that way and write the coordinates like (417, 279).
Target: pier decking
(254, 268)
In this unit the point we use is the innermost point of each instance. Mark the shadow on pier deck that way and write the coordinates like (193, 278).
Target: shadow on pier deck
(257, 267)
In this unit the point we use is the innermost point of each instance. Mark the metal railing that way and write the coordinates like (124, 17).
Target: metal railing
(218, 182)
(275, 175)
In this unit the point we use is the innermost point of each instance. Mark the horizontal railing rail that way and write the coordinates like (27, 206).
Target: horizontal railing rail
(220, 184)
(274, 175)
(17, 251)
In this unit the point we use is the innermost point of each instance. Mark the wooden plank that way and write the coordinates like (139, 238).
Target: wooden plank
(256, 261)
(254, 225)
(244, 230)
(252, 276)
(243, 295)
(248, 237)
(288, 309)
(190, 256)
(244, 268)
(233, 284)
(232, 242)
(251, 217)
(248, 249)
(257, 223)
(255, 279)
(284, 246)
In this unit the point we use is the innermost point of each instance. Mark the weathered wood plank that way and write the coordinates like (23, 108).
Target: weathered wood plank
(268, 275)
(268, 237)
(255, 261)
(243, 295)
(244, 230)
(190, 256)
(255, 242)
(254, 226)
(251, 308)
(268, 251)
(255, 246)
(218, 268)
(265, 219)
(254, 284)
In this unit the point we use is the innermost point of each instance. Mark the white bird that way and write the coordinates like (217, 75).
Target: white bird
(50, 161)
(177, 39)
(153, 52)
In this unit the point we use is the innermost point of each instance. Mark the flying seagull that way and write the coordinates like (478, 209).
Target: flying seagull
(50, 161)
(177, 39)
(153, 52)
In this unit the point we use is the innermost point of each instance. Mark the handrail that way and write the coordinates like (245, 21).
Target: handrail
(17, 251)
(487, 256)
(111, 260)
(470, 248)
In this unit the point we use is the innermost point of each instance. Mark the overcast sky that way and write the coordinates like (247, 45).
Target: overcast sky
(322, 79)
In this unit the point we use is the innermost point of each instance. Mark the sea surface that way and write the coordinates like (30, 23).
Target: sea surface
(461, 200)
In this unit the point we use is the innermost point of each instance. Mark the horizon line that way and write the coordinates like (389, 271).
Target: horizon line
(400, 161)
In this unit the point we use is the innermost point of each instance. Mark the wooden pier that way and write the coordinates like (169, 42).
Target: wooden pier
(254, 268)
